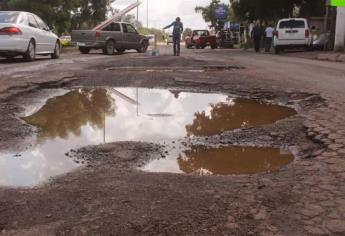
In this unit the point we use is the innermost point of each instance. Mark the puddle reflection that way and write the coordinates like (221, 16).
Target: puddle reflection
(222, 161)
(234, 114)
(84, 117)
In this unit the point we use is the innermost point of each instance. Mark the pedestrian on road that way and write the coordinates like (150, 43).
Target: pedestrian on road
(268, 38)
(177, 32)
(256, 36)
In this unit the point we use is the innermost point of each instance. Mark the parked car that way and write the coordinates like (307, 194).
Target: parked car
(117, 36)
(321, 40)
(25, 34)
(170, 39)
(225, 39)
(201, 39)
(292, 33)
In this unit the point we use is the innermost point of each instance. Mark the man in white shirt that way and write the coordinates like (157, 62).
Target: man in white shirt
(269, 37)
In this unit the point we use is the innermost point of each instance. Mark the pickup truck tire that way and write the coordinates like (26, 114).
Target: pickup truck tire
(143, 47)
(84, 50)
(109, 47)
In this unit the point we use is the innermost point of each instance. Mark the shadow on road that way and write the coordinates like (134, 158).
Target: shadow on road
(20, 60)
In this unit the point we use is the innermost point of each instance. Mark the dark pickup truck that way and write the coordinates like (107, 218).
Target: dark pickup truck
(201, 39)
(117, 36)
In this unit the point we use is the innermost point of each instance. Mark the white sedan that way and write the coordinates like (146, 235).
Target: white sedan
(23, 33)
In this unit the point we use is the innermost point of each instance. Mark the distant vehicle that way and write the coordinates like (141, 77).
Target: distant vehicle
(201, 39)
(225, 39)
(320, 41)
(170, 39)
(117, 36)
(292, 33)
(151, 38)
(25, 34)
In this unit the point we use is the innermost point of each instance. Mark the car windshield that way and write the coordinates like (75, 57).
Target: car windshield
(201, 33)
(8, 17)
(292, 24)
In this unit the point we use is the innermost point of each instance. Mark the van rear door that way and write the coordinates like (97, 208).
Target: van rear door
(292, 29)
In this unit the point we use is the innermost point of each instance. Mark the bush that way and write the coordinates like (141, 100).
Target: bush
(66, 43)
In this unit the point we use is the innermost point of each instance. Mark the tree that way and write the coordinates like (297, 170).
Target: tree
(186, 32)
(208, 13)
(274, 9)
(65, 15)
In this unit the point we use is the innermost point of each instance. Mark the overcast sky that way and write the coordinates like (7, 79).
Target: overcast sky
(163, 12)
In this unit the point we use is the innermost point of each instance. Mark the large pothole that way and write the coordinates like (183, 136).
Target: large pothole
(91, 116)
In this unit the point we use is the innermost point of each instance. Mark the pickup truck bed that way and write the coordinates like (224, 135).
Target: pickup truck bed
(116, 36)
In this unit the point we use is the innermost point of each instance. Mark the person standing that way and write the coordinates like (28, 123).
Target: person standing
(269, 37)
(177, 32)
(256, 36)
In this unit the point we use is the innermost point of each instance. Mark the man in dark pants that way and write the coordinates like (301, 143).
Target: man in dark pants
(177, 32)
(256, 36)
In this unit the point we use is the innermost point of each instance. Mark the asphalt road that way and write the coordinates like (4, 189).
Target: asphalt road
(305, 198)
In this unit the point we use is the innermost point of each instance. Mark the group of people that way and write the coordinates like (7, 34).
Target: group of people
(258, 33)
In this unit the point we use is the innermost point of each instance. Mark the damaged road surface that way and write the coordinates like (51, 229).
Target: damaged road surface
(206, 144)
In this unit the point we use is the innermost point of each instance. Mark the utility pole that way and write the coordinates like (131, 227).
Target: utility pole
(138, 11)
(339, 43)
(147, 14)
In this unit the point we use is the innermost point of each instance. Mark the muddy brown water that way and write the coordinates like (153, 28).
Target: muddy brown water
(234, 160)
(81, 117)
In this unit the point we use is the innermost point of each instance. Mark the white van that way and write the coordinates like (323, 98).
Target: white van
(292, 33)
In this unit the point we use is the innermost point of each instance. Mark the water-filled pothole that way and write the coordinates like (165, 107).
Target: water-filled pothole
(84, 116)
(233, 160)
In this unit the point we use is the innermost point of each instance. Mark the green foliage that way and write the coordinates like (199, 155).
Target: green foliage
(275, 9)
(64, 15)
(159, 33)
(207, 12)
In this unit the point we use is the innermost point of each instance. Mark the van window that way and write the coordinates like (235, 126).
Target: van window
(300, 24)
(112, 27)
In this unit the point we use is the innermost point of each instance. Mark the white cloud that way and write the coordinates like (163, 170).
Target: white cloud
(163, 12)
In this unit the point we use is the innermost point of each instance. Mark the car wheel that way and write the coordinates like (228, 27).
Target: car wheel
(213, 46)
(197, 47)
(143, 47)
(84, 50)
(57, 51)
(30, 53)
(109, 47)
